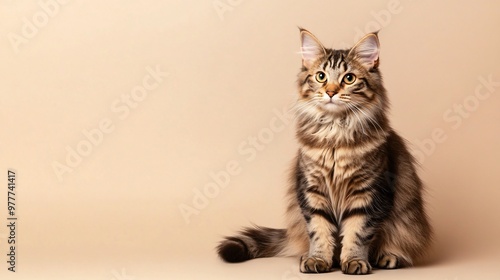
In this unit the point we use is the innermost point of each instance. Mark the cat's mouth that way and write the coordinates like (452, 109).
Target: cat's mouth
(332, 106)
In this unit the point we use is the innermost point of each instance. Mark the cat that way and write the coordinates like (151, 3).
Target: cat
(355, 199)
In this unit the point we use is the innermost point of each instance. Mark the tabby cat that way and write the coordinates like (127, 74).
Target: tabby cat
(355, 199)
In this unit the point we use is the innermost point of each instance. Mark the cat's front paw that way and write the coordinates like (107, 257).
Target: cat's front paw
(356, 266)
(314, 265)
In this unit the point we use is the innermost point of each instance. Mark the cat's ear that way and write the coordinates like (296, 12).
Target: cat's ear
(367, 51)
(311, 49)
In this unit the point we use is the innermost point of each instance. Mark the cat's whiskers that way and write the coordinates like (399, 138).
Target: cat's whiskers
(369, 118)
(350, 107)
(299, 105)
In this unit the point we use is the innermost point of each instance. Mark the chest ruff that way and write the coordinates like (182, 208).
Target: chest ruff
(344, 175)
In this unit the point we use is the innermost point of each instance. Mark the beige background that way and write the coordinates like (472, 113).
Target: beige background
(116, 214)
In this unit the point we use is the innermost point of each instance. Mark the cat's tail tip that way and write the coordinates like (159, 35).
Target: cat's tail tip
(233, 250)
(251, 243)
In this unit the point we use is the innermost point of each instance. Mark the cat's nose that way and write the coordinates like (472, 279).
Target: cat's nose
(332, 89)
(331, 93)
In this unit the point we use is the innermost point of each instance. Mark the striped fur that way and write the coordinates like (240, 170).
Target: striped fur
(355, 199)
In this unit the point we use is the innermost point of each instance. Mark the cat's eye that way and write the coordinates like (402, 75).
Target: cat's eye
(321, 77)
(349, 79)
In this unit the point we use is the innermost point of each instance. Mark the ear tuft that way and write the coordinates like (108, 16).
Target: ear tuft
(367, 51)
(311, 48)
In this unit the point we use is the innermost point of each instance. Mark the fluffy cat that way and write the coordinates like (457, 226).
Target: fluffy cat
(355, 199)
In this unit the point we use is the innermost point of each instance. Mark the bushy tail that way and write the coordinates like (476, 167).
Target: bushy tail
(251, 243)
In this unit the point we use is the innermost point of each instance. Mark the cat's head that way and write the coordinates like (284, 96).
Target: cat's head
(341, 84)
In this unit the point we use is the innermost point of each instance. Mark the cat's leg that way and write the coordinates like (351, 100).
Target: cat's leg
(403, 236)
(313, 197)
(321, 231)
(390, 251)
(401, 240)
(357, 235)
(321, 227)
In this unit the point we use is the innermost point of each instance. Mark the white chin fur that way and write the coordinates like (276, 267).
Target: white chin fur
(333, 108)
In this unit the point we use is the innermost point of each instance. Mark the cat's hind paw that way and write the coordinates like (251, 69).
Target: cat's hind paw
(391, 261)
